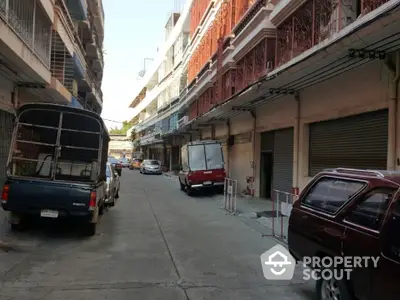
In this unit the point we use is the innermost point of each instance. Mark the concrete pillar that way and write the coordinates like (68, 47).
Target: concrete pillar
(170, 159)
(303, 147)
(296, 146)
(393, 156)
(15, 98)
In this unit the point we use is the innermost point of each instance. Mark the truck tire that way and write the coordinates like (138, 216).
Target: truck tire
(90, 229)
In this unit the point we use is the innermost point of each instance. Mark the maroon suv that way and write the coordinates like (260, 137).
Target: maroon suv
(351, 213)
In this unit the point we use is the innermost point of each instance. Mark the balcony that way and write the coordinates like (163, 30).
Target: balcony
(25, 39)
(183, 121)
(150, 138)
(96, 94)
(75, 102)
(79, 63)
(313, 22)
(64, 30)
(77, 9)
(97, 16)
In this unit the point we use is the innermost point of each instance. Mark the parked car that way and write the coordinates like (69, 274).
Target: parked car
(202, 167)
(136, 163)
(113, 185)
(124, 162)
(351, 213)
(66, 180)
(116, 164)
(151, 166)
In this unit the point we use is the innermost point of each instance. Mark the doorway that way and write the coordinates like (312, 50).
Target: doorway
(266, 169)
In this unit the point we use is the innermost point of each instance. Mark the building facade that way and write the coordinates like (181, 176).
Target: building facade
(291, 88)
(120, 146)
(50, 51)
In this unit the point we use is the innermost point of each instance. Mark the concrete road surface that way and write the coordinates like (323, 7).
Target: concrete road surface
(157, 243)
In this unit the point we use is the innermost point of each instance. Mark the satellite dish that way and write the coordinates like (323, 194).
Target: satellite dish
(141, 73)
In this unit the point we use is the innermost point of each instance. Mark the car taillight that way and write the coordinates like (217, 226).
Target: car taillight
(92, 202)
(118, 166)
(4, 193)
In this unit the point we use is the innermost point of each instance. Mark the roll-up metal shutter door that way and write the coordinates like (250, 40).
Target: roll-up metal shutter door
(6, 129)
(282, 176)
(353, 142)
(267, 141)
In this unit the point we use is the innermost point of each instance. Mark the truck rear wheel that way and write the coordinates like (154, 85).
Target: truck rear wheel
(90, 229)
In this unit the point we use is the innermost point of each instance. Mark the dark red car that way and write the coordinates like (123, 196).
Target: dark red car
(351, 213)
(202, 166)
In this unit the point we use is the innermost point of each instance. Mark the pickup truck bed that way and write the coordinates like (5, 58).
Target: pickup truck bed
(30, 197)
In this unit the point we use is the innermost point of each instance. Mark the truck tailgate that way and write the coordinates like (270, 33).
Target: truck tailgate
(207, 175)
(31, 196)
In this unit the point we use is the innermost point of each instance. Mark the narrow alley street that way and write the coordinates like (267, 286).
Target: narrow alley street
(157, 243)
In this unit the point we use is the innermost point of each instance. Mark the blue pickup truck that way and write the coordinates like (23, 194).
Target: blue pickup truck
(57, 166)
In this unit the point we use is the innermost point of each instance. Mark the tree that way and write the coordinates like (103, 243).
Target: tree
(126, 125)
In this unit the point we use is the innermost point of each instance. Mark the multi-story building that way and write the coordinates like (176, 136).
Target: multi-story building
(291, 87)
(50, 51)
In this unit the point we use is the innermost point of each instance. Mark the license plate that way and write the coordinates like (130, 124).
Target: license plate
(47, 213)
(207, 182)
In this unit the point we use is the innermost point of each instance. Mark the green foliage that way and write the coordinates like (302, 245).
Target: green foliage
(126, 125)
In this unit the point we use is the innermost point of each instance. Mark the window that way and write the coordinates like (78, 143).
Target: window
(197, 160)
(214, 156)
(329, 194)
(371, 211)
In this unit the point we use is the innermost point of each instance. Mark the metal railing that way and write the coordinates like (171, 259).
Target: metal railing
(29, 21)
(230, 192)
(282, 203)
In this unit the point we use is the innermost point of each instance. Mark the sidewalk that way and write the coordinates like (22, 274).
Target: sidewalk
(259, 210)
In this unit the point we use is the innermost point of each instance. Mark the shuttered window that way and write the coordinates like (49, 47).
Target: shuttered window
(353, 142)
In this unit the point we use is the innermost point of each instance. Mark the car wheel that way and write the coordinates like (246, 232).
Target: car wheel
(189, 191)
(182, 186)
(331, 289)
(117, 194)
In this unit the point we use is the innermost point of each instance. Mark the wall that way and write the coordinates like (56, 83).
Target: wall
(358, 91)
(241, 155)
(274, 115)
(362, 90)
(6, 124)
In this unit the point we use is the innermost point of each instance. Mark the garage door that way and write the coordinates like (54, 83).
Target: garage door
(282, 174)
(353, 142)
(6, 127)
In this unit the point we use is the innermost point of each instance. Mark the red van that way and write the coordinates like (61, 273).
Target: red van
(202, 166)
